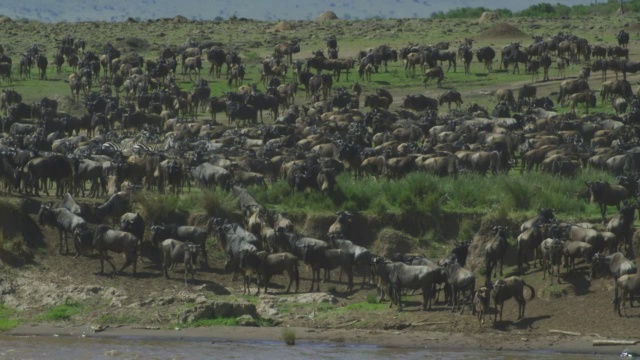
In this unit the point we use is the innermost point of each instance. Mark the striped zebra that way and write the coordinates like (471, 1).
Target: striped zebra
(140, 148)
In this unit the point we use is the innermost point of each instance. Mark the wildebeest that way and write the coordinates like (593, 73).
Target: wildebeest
(625, 285)
(328, 259)
(234, 240)
(621, 225)
(605, 194)
(505, 289)
(70, 204)
(551, 252)
(174, 252)
(486, 55)
(266, 265)
(587, 97)
(105, 239)
(434, 73)
(116, 206)
(65, 221)
(576, 249)
(481, 302)
(495, 251)
(133, 223)
(460, 279)
(398, 276)
(420, 102)
(545, 216)
(451, 96)
(614, 265)
(569, 87)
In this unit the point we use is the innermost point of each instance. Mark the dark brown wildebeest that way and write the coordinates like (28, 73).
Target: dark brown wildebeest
(237, 74)
(606, 194)
(434, 73)
(451, 96)
(611, 88)
(505, 289)
(287, 50)
(375, 101)
(586, 97)
(569, 87)
(486, 55)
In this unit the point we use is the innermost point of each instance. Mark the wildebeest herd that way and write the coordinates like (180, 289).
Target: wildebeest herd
(141, 133)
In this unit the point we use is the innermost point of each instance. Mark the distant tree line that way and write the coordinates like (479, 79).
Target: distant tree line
(545, 10)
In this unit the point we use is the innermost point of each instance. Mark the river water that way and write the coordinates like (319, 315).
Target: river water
(50, 348)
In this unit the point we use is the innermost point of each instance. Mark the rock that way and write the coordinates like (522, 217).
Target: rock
(242, 309)
(316, 298)
(326, 16)
(267, 309)
(166, 300)
(223, 309)
(488, 16)
(246, 320)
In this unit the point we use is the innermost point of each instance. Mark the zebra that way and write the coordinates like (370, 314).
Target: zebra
(140, 148)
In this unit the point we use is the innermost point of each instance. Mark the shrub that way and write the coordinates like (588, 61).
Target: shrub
(289, 336)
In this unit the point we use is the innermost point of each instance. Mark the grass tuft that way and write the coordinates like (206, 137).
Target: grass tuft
(289, 336)
(7, 320)
(63, 311)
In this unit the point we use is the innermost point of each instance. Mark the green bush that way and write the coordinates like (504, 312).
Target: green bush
(289, 336)
(63, 311)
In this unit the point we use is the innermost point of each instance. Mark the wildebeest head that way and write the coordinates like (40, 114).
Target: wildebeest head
(45, 215)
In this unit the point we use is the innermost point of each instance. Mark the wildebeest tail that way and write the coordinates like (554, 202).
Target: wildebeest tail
(533, 291)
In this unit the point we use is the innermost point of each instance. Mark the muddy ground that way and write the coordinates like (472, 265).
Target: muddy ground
(148, 301)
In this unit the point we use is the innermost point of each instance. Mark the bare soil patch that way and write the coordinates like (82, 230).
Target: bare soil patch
(503, 30)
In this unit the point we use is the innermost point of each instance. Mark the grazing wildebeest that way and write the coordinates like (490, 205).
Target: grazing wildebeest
(451, 96)
(65, 221)
(105, 239)
(434, 73)
(505, 289)
(587, 97)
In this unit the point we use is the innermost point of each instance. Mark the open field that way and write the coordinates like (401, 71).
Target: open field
(426, 212)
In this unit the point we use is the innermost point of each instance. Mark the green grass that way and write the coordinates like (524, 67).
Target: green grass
(62, 312)
(7, 318)
(221, 321)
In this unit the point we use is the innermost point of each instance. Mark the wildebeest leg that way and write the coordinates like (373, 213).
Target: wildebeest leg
(129, 259)
(398, 295)
(60, 241)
